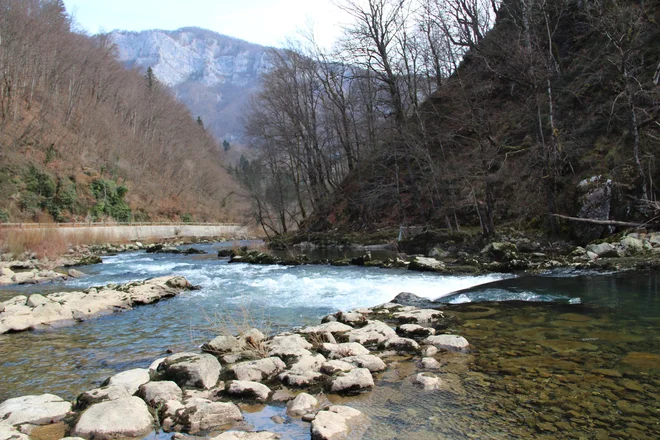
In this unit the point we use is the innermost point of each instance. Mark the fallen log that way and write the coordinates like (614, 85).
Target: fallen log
(607, 222)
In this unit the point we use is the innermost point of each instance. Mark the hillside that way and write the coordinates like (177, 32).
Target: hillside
(82, 137)
(213, 74)
(491, 117)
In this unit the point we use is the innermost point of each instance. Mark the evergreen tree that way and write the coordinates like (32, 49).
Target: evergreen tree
(226, 146)
(150, 76)
(200, 122)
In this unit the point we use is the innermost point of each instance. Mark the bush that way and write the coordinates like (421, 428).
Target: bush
(4, 216)
(110, 200)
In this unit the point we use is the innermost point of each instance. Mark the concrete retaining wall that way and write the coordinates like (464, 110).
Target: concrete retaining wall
(112, 233)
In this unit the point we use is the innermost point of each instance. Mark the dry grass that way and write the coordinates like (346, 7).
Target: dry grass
(51, 242)
(238, 324)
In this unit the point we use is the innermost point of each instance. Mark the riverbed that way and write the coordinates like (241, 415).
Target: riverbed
(562, 355)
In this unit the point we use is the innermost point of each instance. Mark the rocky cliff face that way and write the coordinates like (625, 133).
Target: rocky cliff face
(212, 74)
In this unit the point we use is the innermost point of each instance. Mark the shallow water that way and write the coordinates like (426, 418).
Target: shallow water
(584, 362)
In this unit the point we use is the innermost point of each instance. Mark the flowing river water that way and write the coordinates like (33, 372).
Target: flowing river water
(559, 356)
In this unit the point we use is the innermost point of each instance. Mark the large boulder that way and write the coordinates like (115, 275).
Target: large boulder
(127, 417)
(262, 369)
(354, 381)
(373, 333)
(303, 404)
(202, 415)
(98, 395)
(248, 389)
(191, 370)
(335, 423)
(448, 342)
(36, 410)
(130, 380)
(157, 393)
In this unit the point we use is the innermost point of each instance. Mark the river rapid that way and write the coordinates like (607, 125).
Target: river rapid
(564, 356)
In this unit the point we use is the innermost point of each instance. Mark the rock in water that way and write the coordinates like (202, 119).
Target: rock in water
(304, 403)
(334, 423)
(354, 381)
(130, 380)
(127, 417)
(448, 342)
(157, 393)
(35, 410)
(191, 370)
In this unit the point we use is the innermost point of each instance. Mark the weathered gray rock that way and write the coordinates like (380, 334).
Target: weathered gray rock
(248, 389)
(328, 327)
(299, 379)
(130, 380)
(289, 347)
(43, 409)
(603, 250)
(154, 374)
(374, 332)
(354, 319)
(372, 363)
(335, 423)
(338, 351)
(36, 300)
(309, 363)
(428, 381)
(415, 330)
(303, 403)
(73, 273)
(499, 251)
(8, 432)
(426, 264)
(223, 344)
(632, 245)
(420, 316)
(191, 370)
(429, 363)
(353, 381)
(401, 344)
(448, 342)
(201, 415)
(157, 393)
(262, 369)
(127, 417)
(98, 395)
(336, 366)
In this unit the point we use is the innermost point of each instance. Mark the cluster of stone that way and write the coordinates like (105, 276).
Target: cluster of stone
(200, 393)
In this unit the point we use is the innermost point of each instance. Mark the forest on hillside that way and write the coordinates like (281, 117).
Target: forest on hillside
(82, 138)
(461, 112)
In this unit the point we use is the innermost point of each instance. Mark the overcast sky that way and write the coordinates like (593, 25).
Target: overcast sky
(266, 22)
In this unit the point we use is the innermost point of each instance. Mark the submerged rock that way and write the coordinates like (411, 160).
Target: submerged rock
(428, 381)
(43, 409)
(243, 435)
(335, 423)
(127, 417)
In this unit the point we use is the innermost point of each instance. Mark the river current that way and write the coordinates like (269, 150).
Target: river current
(563, 355)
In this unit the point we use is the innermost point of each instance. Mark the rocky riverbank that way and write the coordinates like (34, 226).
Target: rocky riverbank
(207, 393)
(23, 313)
(513, 253)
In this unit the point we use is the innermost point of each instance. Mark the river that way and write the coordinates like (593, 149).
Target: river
(560, 355)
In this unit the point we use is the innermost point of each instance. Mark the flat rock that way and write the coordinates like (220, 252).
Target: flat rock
(98, 395)
(419, 316)
(309, 363)
(303, 403)
(415, 330)
(336, 366)
(248, 389)
(289, 347)
(401, 344)
(328, 327)
(202, 415)
(8, 432)
(335, 423)
(448, 342)
(426, 264)
(297, 378)
(130, 380)
(346, 349)
(374, 332)
(191, 370)
(354, 381)
(157, 393)
(127, 417)
(223, 344)
(428, 381)
(372, 363)
(262, 369)
(41, 409)
(354, 319)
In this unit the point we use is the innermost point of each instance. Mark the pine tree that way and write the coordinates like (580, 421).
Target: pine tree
(152, 81)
